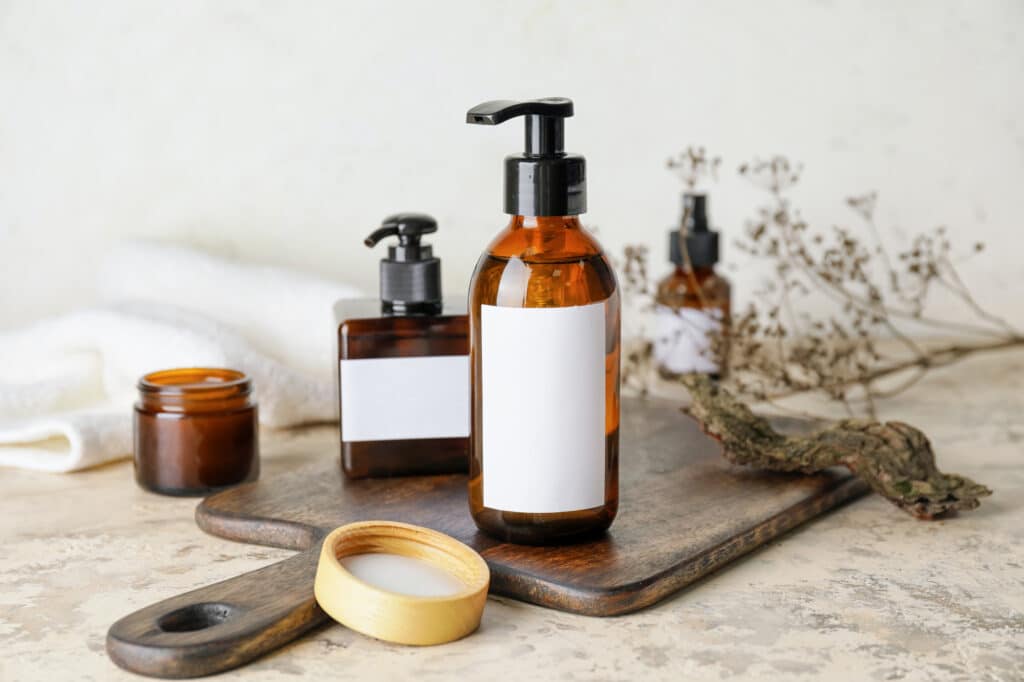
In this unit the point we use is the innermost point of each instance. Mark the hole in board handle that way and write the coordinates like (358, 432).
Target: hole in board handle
(196, 617)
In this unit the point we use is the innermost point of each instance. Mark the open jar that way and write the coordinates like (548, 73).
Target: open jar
(195, 431)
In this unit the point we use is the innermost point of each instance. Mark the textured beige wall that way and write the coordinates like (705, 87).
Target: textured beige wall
(280, 132)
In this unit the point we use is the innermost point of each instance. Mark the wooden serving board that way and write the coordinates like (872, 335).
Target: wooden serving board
(684, 512)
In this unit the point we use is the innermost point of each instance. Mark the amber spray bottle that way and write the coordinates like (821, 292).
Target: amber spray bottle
(403, 384)
(693, 302)
(544, 349)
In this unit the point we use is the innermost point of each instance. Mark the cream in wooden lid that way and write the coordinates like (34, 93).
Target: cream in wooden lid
(396, 616)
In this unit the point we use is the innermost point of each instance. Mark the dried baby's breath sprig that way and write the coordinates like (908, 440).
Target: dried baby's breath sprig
(693, 165)
(780, 349)
(638, 292)
(777, 348)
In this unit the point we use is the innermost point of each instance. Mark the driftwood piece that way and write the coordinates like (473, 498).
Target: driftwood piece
(894, 458)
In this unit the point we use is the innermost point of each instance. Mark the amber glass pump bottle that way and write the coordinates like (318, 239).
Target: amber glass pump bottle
(403, 364)
(544, 349)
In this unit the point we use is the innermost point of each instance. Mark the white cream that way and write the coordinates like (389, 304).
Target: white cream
(402, 574)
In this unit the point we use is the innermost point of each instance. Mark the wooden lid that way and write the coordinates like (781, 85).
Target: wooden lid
(392, 616)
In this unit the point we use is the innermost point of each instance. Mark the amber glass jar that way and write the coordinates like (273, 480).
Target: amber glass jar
(549, 263)
(195, 431)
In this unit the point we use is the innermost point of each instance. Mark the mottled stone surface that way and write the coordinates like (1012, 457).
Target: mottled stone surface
(866, 593)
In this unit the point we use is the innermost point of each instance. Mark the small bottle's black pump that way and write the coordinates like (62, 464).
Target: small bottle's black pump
(410, 277)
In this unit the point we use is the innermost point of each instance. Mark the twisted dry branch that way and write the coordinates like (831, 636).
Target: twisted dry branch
(894, 458)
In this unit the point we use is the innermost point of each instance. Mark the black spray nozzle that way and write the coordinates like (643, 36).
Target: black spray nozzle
(543, 180)
(701, 241)
(695, 212)
(410, 277)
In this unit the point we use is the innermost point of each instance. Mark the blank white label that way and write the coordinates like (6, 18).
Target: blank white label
(682, 339)
(405, 398)
(543, 408)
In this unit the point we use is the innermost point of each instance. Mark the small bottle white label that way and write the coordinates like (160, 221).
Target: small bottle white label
(682, 339)
(542, 385)
(405, 398)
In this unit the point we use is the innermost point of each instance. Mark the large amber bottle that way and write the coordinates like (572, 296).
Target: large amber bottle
(544, 350)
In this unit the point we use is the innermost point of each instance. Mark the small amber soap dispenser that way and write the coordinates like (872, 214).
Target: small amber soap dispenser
(691, 329)
(544, 349)
(403, 364)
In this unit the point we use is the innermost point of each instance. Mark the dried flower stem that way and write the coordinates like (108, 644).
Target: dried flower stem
(778, 349)
(780, 352)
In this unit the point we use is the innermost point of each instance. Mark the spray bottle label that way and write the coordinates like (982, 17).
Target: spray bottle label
(682, 339)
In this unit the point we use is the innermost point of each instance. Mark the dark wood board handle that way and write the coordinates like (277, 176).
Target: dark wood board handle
(221, 626)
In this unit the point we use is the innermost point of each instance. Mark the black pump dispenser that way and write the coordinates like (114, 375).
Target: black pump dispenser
(544, 180)
(410, 277)
(701, 242)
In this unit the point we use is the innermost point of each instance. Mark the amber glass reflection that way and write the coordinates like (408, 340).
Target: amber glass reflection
(195, 431)
(545, 262)
(403, 336)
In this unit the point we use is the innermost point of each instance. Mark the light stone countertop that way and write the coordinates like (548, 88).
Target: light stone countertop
(865, 593)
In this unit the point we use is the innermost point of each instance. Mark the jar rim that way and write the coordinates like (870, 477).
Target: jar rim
(193, 381)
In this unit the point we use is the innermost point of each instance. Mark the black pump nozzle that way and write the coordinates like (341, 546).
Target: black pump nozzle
(408, 227)
(544, 180)
(410, 277)
(545, 121)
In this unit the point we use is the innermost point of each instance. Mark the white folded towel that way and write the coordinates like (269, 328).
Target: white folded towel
(67, 384)
(286, 314)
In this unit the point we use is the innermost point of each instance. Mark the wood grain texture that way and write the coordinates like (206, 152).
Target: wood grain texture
(221, 626)
(684, 512)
